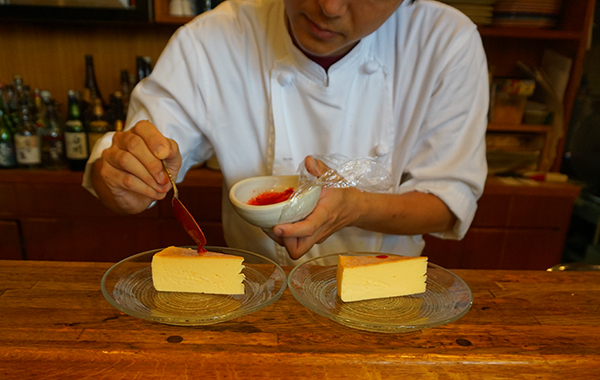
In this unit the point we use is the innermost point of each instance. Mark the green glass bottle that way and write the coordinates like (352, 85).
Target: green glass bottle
(7, 147)
(75, 136)
(4, 112)
(97, 124)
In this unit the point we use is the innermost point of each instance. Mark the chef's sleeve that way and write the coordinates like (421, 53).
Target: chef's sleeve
(170, 98)
(448, 159)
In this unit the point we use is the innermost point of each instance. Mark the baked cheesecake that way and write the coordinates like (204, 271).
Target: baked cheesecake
(177, 269)
(379, 276)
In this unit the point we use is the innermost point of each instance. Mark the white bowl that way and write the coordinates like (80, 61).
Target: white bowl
(271, 215)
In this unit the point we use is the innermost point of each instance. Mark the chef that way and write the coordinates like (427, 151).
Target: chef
(266, 84)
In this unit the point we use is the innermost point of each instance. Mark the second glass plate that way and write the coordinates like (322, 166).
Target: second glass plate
(446, 299)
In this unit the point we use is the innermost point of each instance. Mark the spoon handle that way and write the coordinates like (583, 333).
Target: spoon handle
(175, 191)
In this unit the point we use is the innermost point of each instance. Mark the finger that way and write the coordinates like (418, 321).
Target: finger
(160, 148)
(277, 239)
(174, 159)
(297, 247)
(156, 142)
(302, 228)
(123, 184)
(150, 146)
(130, 154)
(315, 167)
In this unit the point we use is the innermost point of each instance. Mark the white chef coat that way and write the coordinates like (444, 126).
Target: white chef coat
(413, 94)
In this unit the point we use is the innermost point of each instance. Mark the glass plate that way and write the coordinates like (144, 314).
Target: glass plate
(446, 299)
(128, 287)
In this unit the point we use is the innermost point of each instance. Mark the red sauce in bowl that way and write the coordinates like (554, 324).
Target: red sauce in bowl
(271, 197)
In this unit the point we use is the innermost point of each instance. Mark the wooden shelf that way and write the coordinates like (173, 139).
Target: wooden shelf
(529, 33)
(162, 15)
(524, 128)
(544, 163)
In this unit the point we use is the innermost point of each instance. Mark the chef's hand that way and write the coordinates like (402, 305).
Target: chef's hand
(330, 215)
(410, 213)
(130, 176)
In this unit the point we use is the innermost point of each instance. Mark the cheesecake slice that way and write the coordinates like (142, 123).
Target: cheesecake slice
(176, 269)
(380, 276)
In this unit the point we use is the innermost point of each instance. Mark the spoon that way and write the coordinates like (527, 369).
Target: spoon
(184, 217)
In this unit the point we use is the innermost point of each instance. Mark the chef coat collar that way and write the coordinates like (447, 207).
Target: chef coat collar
(295, 58)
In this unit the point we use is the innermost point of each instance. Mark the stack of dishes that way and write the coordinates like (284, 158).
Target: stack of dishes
(481, 12)
(527, 13)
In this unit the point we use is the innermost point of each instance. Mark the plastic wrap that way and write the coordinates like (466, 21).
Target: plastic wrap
(363, 173)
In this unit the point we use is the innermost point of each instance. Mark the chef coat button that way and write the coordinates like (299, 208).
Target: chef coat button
(285, 79)
(382, 149)
(371, 67)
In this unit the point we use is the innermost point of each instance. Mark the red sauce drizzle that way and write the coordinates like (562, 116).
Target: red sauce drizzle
(382, 257)
(271, 197)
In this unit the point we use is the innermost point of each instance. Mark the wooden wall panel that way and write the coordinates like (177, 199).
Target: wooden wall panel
(172, 233)
(51, 56)
(484, 248)
(10, 243)
(535, 211)
(86, 239)
(104, 239)
(532, 249)
(493, 210)
(8, 201)
(63, 200)
(446, 253)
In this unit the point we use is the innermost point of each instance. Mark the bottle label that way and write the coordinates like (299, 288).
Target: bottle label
(28, 150)
(53, 149)
(76, 143)
(99, 126)
(74, 124)
(7, 154)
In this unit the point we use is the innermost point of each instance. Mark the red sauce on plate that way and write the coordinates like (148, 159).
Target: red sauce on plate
(382, 256)
(271, 197)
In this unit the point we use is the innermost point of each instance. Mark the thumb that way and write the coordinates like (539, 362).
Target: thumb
(315, 167)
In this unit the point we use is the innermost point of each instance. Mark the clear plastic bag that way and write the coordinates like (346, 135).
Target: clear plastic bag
(364, 173)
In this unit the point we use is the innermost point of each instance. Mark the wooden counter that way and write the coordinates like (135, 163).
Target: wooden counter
(47, 215)
(56, 324)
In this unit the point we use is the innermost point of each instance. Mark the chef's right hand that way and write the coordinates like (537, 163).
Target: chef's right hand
(130, 176)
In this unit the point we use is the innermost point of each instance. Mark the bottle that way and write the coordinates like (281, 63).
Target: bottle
(7, 147)
(17, 97)
(125, 88)
(39, 106)
(53, 139)
(147, 65)
(97, 124)
(27, 141)
(143, 67)
(4, 113)
(40, 118)
(29, 99)
(117, 114)
(140, 69)
(75, 136)
(91, 90)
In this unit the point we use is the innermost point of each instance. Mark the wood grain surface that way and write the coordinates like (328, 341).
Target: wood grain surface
(56, 324)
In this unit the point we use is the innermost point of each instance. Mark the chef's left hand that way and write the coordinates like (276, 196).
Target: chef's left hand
(332, 212)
